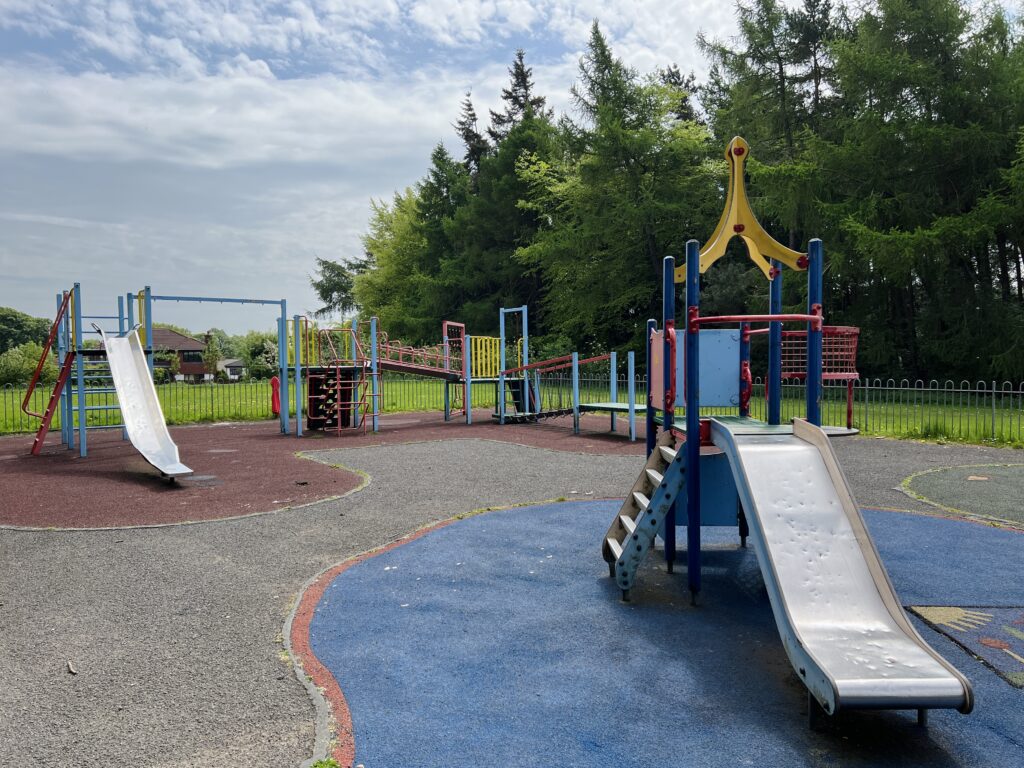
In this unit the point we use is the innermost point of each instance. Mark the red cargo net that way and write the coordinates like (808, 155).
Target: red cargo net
(838, 353)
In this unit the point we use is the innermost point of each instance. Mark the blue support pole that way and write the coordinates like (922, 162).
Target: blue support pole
(692, 367)
(649, 424)
(501, 366)
(62, 350)
(130, 306)
(467, 399)
(299, 401)
(774, 382)
(120, 332)
(614, 386)
(353, 355)
(668, 324)
(80, 373)
(147, 306)
(744, 366)
(526, 358)
(631, 391)
(814, 301)
(576, 393)
(285, 373)
(374, 375)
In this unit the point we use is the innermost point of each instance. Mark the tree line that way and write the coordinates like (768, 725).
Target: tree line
(892, 131)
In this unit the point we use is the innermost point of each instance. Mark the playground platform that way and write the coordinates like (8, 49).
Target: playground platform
(476, 645)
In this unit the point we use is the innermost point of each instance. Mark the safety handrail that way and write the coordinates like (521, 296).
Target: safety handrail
(815, 320)
(561, 366)
(34, 382)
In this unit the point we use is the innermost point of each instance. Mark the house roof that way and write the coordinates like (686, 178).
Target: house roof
(165, 338)
(233, 362)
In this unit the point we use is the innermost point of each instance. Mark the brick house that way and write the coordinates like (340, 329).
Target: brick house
(189, 352)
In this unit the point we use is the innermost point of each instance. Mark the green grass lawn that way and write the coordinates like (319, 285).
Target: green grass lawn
(905, 413)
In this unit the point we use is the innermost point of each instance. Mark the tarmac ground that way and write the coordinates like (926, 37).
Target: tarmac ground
(168, 645)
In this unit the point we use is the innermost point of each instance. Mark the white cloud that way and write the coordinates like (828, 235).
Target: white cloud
(215, 146)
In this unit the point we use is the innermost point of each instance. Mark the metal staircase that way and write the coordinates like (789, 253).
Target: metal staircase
(631, 534)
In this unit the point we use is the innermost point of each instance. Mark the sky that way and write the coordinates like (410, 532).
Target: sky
(216, 148)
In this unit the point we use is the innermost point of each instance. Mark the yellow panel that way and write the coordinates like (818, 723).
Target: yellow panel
(484, 357)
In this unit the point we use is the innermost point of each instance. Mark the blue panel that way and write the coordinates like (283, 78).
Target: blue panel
(718, 496)
(719, 368)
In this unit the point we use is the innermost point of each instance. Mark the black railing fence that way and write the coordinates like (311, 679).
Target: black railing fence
(969, 411)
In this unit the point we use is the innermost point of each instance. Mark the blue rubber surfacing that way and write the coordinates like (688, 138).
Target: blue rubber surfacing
(500, 640)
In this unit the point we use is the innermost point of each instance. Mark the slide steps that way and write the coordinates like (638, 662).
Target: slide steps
(632, 533)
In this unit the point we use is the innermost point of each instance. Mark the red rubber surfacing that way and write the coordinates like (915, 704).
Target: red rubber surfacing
(240, 469)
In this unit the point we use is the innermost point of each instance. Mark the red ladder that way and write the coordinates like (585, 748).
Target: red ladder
(51, 407)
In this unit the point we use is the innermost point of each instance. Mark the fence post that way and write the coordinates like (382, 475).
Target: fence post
(575, 393)
(614, 387)
(631, 391)
(993, 410)
(467, 395)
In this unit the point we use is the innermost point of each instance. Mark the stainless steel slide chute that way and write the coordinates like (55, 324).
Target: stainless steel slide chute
(140, 408)
(839, 617)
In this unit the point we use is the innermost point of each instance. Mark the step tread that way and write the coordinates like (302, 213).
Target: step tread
(614, 547)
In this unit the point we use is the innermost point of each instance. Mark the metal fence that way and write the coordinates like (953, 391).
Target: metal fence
(974, 412)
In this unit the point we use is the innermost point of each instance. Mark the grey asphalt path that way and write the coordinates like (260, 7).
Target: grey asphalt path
(876, 467)
(175, 633)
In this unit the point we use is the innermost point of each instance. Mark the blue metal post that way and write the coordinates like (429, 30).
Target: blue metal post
(501, 366)
(692, 367)
(354, 399)
(147, 306)
(374, 375)
(298, 376)
(62, 350)
(631, 391)
(668, 324)
(576, 393)
(814, 301)
(774, 382)
(467, 399)
(649, 424)
(130, 306)
(744, 366)
(121, 332)
(526, 360)
(614, 387)
(80, 373)
(282, 359)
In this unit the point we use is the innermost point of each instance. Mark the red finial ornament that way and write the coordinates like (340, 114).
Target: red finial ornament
(738, 227)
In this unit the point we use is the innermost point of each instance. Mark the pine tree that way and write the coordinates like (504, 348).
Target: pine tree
(686, 86)
(475, 143)
(520, 101)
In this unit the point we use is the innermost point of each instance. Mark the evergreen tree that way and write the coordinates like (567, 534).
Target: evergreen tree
(475, 143)
(520, 101)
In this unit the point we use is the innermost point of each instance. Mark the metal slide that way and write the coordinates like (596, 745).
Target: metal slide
(140, 408)
(840, 620)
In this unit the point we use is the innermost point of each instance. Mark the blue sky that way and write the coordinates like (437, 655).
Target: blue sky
(215, 147)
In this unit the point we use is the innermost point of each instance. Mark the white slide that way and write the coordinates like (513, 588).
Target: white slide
(140, 408)
(839, 617)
